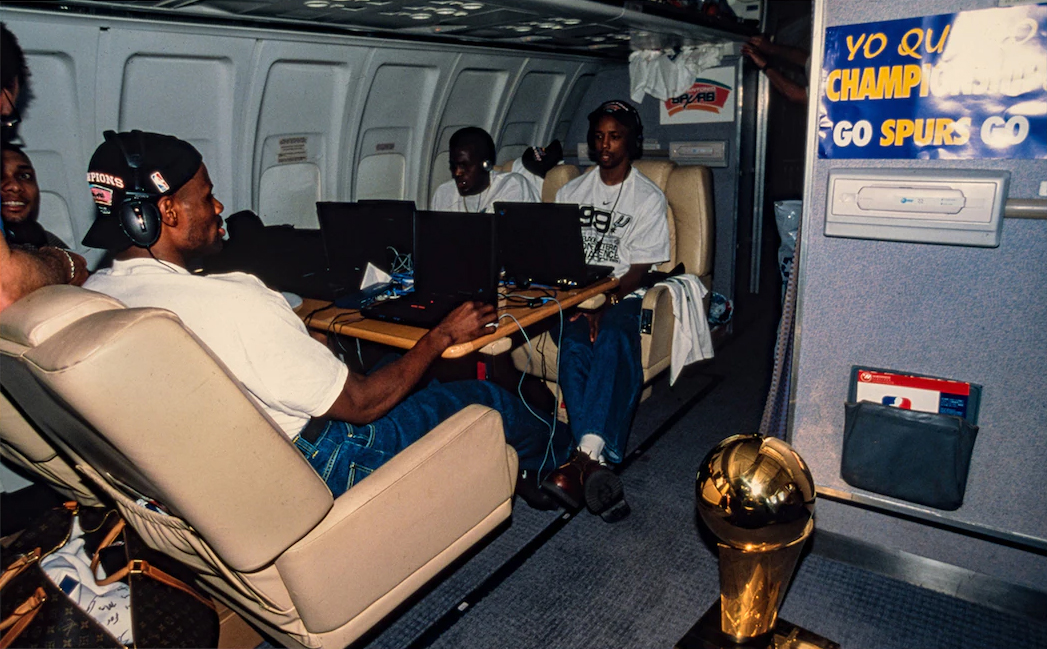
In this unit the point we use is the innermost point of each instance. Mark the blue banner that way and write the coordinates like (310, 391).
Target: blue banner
(965, 85)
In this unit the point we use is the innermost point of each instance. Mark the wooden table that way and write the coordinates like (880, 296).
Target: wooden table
(349, 322)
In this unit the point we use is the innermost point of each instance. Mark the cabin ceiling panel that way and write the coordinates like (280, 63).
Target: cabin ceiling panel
(608, 29)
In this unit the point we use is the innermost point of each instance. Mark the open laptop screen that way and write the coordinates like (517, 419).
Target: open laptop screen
(455, 254)
(355, 234)
(541, 243)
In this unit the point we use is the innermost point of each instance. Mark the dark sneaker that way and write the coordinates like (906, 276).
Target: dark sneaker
(604, 494)
(528, 489)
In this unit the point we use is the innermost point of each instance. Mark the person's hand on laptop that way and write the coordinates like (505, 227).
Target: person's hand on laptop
(465, 323)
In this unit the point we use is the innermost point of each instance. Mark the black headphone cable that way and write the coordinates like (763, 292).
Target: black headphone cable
(599, 244)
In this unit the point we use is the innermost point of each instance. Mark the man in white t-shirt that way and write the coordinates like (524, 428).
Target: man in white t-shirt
(475, 186)
(156, 210)
(624, 225)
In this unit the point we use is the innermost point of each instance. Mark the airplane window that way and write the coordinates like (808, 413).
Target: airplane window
(510, 152)
(381, 176)
(288, 195)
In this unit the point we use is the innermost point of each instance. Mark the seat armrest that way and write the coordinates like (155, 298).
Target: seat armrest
(656, 330)
(397, 520)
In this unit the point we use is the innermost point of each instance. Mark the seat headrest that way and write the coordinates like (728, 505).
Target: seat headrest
(656, 170)
(46, 311)
(556, 178)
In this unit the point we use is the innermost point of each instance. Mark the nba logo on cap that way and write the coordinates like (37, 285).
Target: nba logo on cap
(159, 181)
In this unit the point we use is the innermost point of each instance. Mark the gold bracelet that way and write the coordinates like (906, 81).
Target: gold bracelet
(72, 265)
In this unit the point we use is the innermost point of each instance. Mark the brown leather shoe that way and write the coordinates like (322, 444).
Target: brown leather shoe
(565, 482)
(583, 480)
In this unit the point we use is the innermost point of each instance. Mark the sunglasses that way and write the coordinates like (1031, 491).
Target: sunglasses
(9, 123)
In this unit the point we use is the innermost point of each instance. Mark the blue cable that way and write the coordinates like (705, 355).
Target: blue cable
(556, 391)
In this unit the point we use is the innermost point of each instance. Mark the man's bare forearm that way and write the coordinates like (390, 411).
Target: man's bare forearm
(366, 398)
(793, 55)
(24, 271)
(793, 91)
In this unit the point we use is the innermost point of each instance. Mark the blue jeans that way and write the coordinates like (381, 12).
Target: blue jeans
(601, 381)
(345, 454)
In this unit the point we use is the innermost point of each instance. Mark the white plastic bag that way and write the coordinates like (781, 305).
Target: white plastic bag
(787, 215)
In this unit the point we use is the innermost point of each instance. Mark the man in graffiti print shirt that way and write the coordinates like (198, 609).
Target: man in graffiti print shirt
(624, 225)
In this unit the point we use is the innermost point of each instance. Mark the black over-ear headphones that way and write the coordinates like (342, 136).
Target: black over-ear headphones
(489, 152)
(634, 145)
(139, 215)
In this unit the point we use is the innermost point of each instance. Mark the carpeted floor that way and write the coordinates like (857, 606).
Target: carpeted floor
(551, 580)
(438, 609)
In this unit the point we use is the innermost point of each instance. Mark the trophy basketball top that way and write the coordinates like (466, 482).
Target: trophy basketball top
(755, 493)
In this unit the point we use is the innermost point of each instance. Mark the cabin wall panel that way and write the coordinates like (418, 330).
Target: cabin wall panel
(398, 95)
(184, 84)
(533, 102)
(57, 125)
(373, 108)
(297, 133)
(972, 314)
(572, 107)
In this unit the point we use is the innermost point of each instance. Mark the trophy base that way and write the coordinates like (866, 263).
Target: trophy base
(706, 634)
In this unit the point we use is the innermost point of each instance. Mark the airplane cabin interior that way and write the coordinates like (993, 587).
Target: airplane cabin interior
(852, 456)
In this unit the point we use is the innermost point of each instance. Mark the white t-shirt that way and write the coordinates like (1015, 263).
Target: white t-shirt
(249, 327)
(622, 224)
(534, 180)
(508, 187)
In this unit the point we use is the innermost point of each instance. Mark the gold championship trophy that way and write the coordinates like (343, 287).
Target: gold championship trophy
(757, 496)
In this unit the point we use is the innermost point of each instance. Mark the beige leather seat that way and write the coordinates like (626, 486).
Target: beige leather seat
(688, 192)
(142, 408)
(21, 441)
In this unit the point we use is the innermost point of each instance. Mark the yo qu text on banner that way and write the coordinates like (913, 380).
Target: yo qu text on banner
(965, 85)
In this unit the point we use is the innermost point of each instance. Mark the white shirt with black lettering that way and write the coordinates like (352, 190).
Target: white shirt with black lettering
(623, 224)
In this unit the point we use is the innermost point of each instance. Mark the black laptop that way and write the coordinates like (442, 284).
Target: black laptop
(356, 234)
(541, 243)
(455, 261)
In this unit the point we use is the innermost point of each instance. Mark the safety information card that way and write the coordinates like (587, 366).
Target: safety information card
(915, 392)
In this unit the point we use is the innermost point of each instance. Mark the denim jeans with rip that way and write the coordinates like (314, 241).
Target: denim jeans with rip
(344, 453)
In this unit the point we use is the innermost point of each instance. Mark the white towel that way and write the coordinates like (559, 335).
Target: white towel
(664, 74)
(691, 338)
